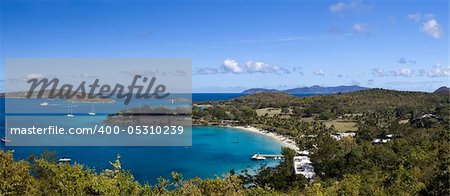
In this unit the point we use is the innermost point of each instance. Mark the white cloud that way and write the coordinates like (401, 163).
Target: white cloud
(405, 72)
(430, 25)
(257, 66)
(355, 6)
(232, 65)
(432, 28)
(319, 72)
(34, 75)
(439, 71)
(360, 28)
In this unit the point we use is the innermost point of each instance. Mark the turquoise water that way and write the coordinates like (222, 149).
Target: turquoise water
(213, 152)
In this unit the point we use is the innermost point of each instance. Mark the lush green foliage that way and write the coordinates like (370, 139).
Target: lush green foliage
(416, 161)
(404, 104)
(41, 176)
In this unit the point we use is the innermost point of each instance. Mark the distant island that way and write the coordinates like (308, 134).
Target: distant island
(260, 90)
(147, 115)
(312, 89)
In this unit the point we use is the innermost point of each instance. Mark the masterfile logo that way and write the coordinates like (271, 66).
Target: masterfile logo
(67, 91)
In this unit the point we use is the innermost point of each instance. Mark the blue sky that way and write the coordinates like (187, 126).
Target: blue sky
(236, 45)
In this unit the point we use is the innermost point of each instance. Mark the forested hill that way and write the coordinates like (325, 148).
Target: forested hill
(371, 100)
(376, 100)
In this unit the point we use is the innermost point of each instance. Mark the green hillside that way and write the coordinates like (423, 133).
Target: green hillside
(404, 104)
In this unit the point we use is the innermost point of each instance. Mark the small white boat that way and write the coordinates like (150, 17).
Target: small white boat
(64, 160)
(92, 113)
(70, 113)
(5, 140)
(173, 101)
(258, 157)
(44, 103)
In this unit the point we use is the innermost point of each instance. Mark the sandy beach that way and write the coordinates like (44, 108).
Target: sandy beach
(285, 141)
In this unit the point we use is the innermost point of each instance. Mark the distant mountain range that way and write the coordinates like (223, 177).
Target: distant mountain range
(312, 89)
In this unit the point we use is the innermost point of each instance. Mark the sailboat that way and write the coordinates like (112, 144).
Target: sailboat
(92, 113)
(5, 140)
(64, 160)
(70, 113)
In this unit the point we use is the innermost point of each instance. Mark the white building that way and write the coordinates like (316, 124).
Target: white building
(303, 166)
(339, 135)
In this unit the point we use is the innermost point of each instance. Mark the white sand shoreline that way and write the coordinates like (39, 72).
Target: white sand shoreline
(283, 140)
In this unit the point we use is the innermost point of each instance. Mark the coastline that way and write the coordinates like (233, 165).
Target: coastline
(283, 140)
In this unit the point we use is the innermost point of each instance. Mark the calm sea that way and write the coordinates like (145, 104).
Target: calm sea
(214, 151)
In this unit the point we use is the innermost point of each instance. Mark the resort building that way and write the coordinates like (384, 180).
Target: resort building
(303, 166)
(339, 135)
